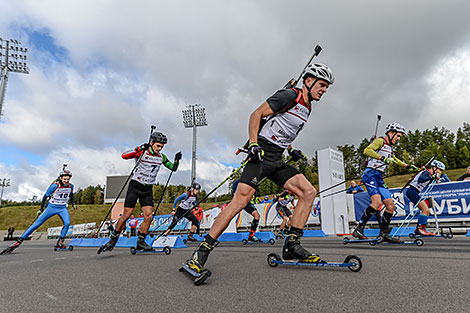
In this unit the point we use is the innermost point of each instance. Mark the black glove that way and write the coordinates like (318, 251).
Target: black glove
(178, 156)
(295, 155)
(142, 147)
(255, 153)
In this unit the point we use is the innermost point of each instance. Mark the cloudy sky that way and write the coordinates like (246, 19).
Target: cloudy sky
(101, 72)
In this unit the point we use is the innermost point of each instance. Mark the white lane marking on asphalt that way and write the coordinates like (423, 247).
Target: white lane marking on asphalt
(51, 296)
(38, 260)
(63, 258)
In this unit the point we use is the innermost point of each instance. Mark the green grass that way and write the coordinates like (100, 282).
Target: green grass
(22, 216)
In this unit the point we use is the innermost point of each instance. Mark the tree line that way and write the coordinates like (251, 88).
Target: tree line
(416, 147)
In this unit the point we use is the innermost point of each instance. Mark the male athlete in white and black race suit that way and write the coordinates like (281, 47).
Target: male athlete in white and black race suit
(285, 114)
(186, 200)
(141, 187)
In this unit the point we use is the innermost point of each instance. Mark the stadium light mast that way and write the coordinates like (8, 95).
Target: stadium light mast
(194, 116)
(12, 59)
(3, 183)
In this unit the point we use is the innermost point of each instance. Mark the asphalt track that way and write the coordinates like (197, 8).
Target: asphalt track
(431, 278)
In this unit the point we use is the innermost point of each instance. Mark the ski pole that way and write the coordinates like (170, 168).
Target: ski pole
(152, 128)
(205, 197)
(412, 211)
(163, 193)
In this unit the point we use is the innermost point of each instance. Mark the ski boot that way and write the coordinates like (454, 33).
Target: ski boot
(422, 231)
(60, 245)
(385, 236)
(109, 246)
(10, 249)
(199, 257)
(253, 238)
(191, 238)
(359, 232)
(141, 244)
(292, 250)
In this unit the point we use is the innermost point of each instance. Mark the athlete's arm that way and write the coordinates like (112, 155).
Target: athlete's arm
(424, 177)
(47, 195)
(168, 164)
(71, 198)
(182, 197)
(400, 162)
(132, 154)
(375, 145)
(255, 119)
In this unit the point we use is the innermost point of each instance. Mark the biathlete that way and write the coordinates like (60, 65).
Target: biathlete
(283, 200)
(380, 155)
(417, 185)
(186, 202)
(285, 114)
(141, 187)
(58, 194)
(250, 209)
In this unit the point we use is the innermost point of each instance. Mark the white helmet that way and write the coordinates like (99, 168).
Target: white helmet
(320, 71)
(395, 127)
(65, 173)
(439, 165)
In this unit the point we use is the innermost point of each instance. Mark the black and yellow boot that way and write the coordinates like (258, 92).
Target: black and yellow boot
(199, 257)
(292, 249)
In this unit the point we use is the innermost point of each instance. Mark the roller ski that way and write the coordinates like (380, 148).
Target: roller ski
(421, 232)
(166, 250)
(190, 238)
(352, 262)
(109, 246)
(255, 240)
(11, 248)
(195, 265)
(60, 246)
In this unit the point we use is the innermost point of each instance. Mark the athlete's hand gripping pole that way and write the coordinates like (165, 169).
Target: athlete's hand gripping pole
(413, 177)
(152, 128)
(206, 196)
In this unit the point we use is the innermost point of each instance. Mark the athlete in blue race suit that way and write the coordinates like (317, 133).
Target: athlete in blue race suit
(58, 194)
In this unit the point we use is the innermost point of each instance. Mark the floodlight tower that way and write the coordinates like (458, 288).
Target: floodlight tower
(194, 116)
(3, 183)
(12, 59)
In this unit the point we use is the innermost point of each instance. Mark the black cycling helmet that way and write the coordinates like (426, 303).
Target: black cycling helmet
(196, 186)
(158, 137)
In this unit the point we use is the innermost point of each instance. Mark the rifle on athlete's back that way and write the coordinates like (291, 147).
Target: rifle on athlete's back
(289, 85)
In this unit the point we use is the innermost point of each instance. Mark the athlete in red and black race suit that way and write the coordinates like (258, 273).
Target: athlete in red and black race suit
(186, 200)
(141, 187)
(285, 114)
(58, 194)
(380, 155)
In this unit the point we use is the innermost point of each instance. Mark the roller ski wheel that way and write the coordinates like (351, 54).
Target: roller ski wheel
(419, 242)
(352, 262)
(272, 241)
(356, 265)
(199, 278)
(412, 235)
(450, 236)
(372, 241)
(244, 242)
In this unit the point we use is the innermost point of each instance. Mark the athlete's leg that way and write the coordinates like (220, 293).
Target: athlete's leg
(241, 198)
(306, 193)
(48, 213)
(179, 212)
(148, 211)
(65, 217)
